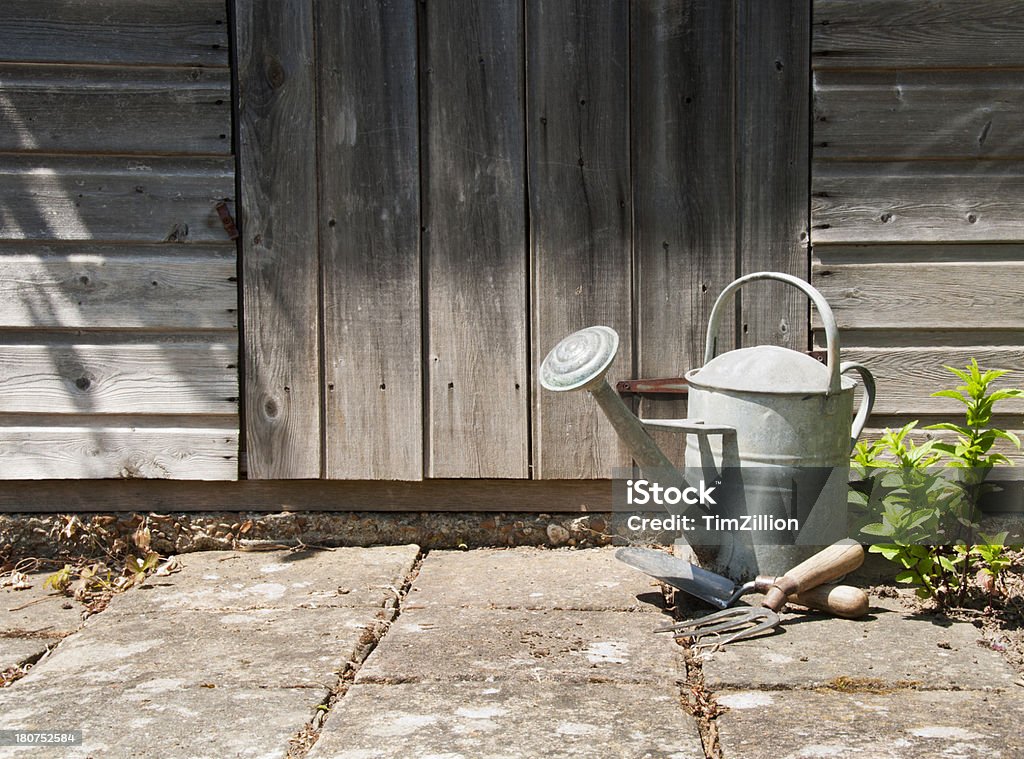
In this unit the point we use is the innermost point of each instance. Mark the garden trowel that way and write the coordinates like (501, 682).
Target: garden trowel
(721, 592)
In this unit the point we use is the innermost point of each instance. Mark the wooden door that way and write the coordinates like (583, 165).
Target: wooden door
(435, 193)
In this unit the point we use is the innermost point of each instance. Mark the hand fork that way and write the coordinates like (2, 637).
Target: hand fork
(826, 565)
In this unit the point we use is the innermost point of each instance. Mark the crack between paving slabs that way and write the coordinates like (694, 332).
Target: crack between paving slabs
(302, 742)
(701, 703)
(11, 675)
(695, 698)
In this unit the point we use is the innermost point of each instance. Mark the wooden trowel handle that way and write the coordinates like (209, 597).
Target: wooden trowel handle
(843, 601)
(828, 564)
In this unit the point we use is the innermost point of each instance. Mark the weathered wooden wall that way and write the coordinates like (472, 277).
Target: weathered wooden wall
(918, 192)
(118, 291)
(435, 192)
(422, 224)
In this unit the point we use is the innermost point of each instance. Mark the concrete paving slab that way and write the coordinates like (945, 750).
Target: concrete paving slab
(508, 721)
(344, 577)
(890, 645)
(124, 721)
(901, 724)
(588, 579)
(531, 644)
(14, 651)
(228, 657)
(38, 610)
(259, 648)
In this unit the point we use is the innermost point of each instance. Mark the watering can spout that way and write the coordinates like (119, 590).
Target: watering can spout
(580, 362)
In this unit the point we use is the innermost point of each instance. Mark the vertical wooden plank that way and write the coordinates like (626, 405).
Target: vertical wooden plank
(683, 180)
(277, 162)
(773, 154)
(475, 239)
(369, 236)
(580, 214)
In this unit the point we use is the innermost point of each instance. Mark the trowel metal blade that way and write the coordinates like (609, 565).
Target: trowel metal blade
(705, 585)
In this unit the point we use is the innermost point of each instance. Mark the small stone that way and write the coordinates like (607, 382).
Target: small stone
(557, 534)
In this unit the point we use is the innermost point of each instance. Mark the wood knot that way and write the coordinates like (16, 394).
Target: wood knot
(275, 72)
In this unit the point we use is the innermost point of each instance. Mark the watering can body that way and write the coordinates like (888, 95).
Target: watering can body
(772, 426)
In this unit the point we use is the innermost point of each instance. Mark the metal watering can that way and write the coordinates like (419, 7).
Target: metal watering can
(772, 425)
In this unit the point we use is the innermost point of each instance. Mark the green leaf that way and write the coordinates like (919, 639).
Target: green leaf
(948, 426)
(906, 577)
(888, 550)
(999, 539)
(958, 372)
(1007, 435)
(878, 529)
(998, 395)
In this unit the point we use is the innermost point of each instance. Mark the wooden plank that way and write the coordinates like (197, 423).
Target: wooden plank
(127, 449)
(923, 296)
(773, 166)
(906, 377)
(919, 435)
(89, 285)
(918, 34)
(142, 199)
(167, 32)
(904, 115)
(280, 267)
(475, 239)
(474, 497)
(684, 219)
(152, 110)
(580, 236)
(920, 201)
(83, 376)
(370, 228)
(910, 253)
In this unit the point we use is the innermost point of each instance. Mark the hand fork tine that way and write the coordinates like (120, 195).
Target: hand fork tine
(725, 621)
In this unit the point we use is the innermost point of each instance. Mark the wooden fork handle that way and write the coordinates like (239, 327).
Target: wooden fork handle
(843, 601)
(828, 564)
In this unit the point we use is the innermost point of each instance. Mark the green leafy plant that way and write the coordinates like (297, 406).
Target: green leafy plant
(907, 503)
(972, 451)
(992, 555)
(929, 521)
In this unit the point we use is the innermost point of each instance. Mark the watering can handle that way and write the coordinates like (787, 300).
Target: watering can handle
(824, 310)
(865, 403)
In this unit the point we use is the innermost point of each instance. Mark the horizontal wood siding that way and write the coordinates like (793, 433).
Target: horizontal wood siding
(916, 208)
(52, 109)
(97, 285)
(92, 376)
(917, 34)
(917, 201)
(94, 448)
(115, 32)
(899, 114)
(118, 282)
